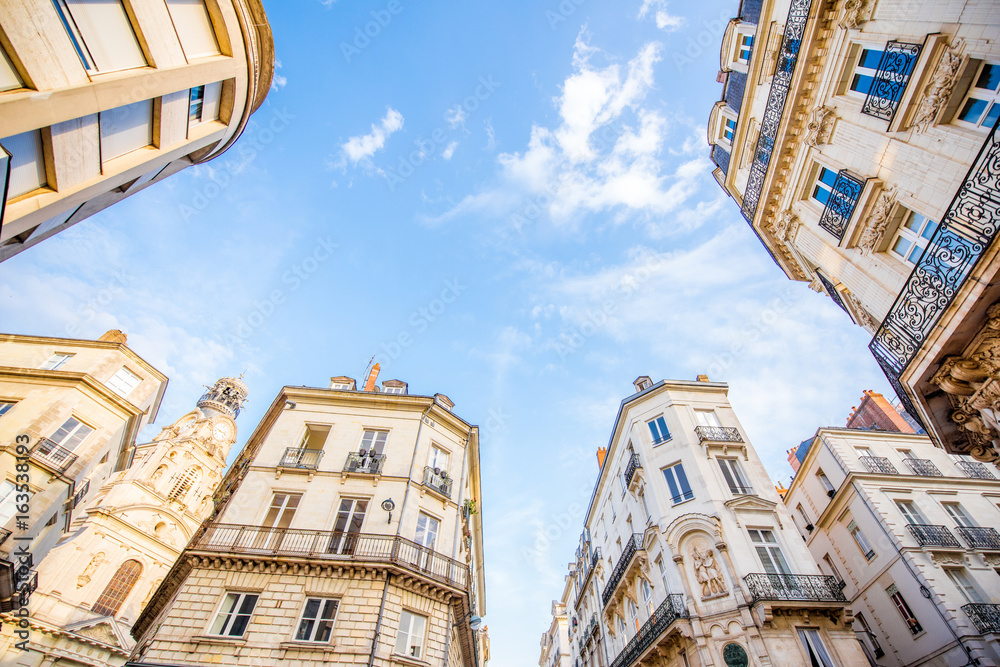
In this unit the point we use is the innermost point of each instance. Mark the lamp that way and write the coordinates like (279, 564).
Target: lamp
(475, 622)
(388, 506)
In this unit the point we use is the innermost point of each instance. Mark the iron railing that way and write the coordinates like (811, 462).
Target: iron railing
(980, 538)
(633, 545)
(333, 546)
(80, 493)
(588, 565)
(4, 534)
(633, 465)
(810, 587)
(438, 480)
(300, 457)
(967, 229)
(669, 611)
(840, 205)
(975, 469)
(589, 633)
(932, 536)
(718, 434)
(924, 467)
(740, 490)
(364, 462)
(890, 80)
(986, 617)
(832, 291)
(878, 464)
(53, 454)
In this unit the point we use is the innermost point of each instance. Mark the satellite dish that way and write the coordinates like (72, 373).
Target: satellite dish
(475, 622)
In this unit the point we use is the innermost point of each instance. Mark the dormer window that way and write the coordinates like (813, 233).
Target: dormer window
(642, 383)
(744, 48)
(342, 383)
(728, 130)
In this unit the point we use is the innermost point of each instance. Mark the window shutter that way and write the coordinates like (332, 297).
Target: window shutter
(126, 129)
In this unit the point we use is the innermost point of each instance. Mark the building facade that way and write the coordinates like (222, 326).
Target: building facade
(70, 411)
(93, 584)
(347, 531)
(858, 138)
(555, 650)
(909, 532)
(687, 556)
(100, 100)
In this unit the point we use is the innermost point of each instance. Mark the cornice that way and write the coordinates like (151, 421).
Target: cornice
(68, 379)
(76, 342)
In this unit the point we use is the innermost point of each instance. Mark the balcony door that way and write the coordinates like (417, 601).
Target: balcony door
(769, 552)
(276, 520)
(69, 436)
(347, 526)
(956, 512)
(426, 537)
(910, 513)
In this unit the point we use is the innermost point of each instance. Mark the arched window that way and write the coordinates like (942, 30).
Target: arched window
(182, 483)
(118, 589)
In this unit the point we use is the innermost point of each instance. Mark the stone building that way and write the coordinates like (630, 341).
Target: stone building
(555, 651)
(347, 531)
(908, 531)
(94, 583)
(75, 408)
(688, 558)
(100, 100)
(858, 139)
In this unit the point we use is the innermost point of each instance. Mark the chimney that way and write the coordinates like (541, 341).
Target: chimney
(372, 376)
(793, 460)
(601, 453)
(114, 336)
(703, 378)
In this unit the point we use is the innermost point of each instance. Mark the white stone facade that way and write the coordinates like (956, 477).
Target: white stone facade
(555, 648)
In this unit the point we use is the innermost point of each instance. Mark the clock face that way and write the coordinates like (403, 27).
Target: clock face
(221, 431)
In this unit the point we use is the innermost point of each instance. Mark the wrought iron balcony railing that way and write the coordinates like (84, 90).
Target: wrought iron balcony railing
(878, 464)
(438, 480)
(986, 617)
(932, 536)
(53, 454)
(840, 205)
(300, 457)
(740, 489)
(366, 463)
(669, 611)
(966, 230)
(633, 465)
(793, 587)
(80, 493)
(588, 570)
(4, 534)
(924, 467)
(629, 550)
(980, 538)
(333, 546)
(832, 292)
(718, 434)
(25, 583)
(890, 80)
(975, 470)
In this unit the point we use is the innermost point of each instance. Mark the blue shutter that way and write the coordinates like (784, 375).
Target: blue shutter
(683, 480)
(672, 483)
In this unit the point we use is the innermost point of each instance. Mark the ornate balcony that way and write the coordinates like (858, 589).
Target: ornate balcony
(589, 632)
(844, 195)
(630, 549)
(986, 617)
(588, 571)
(80, 493)
(923, 467)
(890, 80)
(300, 457)
(980, 538)
(370, 464)
(633, 465)
(975, 470)
(4, 534)
(649, 634)
(718, 434)
(438, 480)
(52, 454)
(933, 536)
(878, 464)
(794, 587)
(332, 546)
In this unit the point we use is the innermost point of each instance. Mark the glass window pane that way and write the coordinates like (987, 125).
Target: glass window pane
(107, 34)
(989, 78)
(27, 163)
(861, 84)
(973, 110)
(901, 247)
(992, 115)
(870, 58)
(194, 27)
(126, 129)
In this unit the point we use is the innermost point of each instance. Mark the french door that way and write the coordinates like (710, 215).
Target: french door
(347, 525)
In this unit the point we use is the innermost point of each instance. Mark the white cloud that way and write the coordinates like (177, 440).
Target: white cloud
(449, 150)
(664, 19)
(278, 81)
(491, 136)
(455, 117)
(364, 146)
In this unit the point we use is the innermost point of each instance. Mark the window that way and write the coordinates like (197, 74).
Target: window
(633, 614)
(621, 482)
(728, 130)
(347, 525)
(9, 500)
(861, 541)
(9, 78)
(824, 185)
(735, 478)
(27, 164)
(410, 638)
(828, 486)
(315, 436)
(813, 643)
(183, 482)
(663, 572)
(912, 236)
(439, 458)
(204, 104)
(316, 624)
(910, 512)
(427, 530)
(101, 34)
(833, 568)
(194, 27)
(126, 129)
(769, 552)
(866, 72)
(964, 584)
(56, 361)
(805, 518)
(118, 589)
(123, 382)
(904, 610)
(744, 48)
(981, 106)
(658, 429)
(5, 407)
(622, 631)
(863, 624)
(234, 615)
(614, 512)
(647, 595)
(707, 418)
(282, 509)
(71, 433)
(677, 480)
(645, 505)
(956, 512)
(373, 442)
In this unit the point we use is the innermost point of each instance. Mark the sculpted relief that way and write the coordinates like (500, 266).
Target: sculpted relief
(707, 570)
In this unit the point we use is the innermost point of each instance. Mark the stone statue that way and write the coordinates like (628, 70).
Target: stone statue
(707, 572)
(92, 566)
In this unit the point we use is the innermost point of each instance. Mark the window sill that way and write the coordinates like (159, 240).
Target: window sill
(657, 443)
(409, 660)
(299, 645)
(218, 639)
(681, 502)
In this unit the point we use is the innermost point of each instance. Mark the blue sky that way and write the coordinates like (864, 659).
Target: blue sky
(506, 202)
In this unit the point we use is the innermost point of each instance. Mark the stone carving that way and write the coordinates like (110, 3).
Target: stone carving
(149, 595)
(101, 633)
(785, 225)
(940, 87)
(861, 314)
(88, 571)
(707, 572)
(877, 220)
(857, 12)
(820, 126)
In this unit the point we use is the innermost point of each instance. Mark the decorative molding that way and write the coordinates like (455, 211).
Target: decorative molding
(857, 12)
(939, 87)
(859, 312)
(875, 224)
(820, 126)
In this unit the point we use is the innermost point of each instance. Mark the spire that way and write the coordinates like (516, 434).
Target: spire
(226, 397)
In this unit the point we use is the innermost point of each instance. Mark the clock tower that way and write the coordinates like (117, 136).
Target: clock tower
(95, 582)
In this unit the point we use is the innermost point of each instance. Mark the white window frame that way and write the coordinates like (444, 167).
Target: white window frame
(317, 621)
(409, 641)
(427, 531)
(735, 478)
(742, 47)
(71, 434)
(112, 133)
(90, 33)
(657, 425)
(815, 648)
(123, 382)
(775, 556)
(439, 457)
(707, 418)
(858, 70)
(6, 406)
(825, 482)
(861, 541)
(964, 584)
(56, 361)
(818, 183)
(27, 163)
(225, 630)
(194, 45)
(8, 500)
(991, 97)
(682, 496)
(916, 240)
(959, 515)
(373, 440)
(911, 512)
